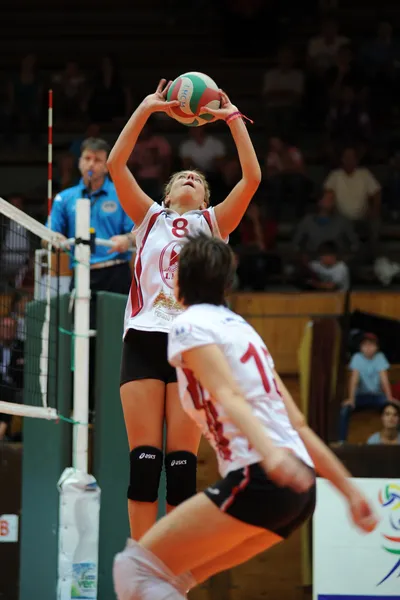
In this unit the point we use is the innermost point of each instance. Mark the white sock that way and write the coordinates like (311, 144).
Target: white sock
(139, 575)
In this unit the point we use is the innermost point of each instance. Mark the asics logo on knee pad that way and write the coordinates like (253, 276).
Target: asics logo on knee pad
(176, 463)
(144, 455)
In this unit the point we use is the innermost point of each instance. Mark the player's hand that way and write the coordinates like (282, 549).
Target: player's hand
(362, 512)
(157, 102)
(286, 470)
(121, 243)
(226, 109)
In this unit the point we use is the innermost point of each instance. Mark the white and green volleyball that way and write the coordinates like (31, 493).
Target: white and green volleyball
(194, 90)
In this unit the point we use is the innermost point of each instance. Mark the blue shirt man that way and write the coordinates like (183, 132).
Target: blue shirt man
(106, 215)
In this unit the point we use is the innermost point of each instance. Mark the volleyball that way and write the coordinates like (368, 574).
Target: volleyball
(194, 90)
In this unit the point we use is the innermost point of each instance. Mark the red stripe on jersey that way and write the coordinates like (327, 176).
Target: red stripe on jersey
(136, 290)
(244, 483)
(207, 216)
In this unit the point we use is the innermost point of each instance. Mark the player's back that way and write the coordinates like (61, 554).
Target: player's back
(253, 369)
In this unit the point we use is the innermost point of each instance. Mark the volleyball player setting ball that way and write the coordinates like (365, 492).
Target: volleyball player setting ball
(149, 390)
(267, 454)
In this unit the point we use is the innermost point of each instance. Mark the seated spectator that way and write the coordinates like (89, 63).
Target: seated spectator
(70, 89)
(150, 161)
(356, 191)
(24, 101)
(380, 52)
(11, 368)
(322, 49)
(348, 122)
(389, 434)
(92, 131)
(369, 385)
(202, 151)
(324, 226)
(287, 187)
(67, 175)
(283, 91)
(283, 157)
(344, 73)
(108, 98)
(257, 238)
(328, 274)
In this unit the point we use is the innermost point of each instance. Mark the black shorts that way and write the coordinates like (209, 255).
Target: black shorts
(144, 356)
(248, 495)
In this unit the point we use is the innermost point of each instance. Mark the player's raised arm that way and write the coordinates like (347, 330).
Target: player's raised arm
(230, 212)
(134, 200)
(213, 372)
(326, 463)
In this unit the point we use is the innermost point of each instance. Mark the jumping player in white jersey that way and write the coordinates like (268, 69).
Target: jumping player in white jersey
(149, 391)
(267, 454)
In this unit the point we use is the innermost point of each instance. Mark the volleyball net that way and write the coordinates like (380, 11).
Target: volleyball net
(35, 273)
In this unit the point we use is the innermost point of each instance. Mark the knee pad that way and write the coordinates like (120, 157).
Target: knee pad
(145, 471)
(180, 470)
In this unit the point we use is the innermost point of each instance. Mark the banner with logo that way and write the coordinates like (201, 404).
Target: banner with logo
(351, 565)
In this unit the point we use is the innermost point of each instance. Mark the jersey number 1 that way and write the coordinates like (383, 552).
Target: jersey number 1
(251, 353)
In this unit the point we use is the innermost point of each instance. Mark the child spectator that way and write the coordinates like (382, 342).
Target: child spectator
(329, 273)
(369, 382)
(389, 433)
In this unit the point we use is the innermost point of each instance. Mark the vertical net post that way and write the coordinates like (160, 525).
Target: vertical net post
(81, 336)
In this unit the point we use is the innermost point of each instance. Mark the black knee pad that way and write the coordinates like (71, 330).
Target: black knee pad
(146, 465)
(180, 470)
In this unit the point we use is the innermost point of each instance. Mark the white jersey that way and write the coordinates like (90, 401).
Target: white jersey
(252, 367)
(151, 303)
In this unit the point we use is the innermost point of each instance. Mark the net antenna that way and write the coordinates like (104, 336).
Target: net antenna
(45, 353)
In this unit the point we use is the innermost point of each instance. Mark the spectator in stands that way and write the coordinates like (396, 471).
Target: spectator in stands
(11, 368)
(202, 151)
(257, 238)
(24, 101)
(108, 98)
(67, 174)
(150, 161)
(288, 189)
(70, 90)
(282, 157)
(391, 190)
(348, 122)
(389, 434)
(322, 49)
(381, 52)
(283, 91)
(328, 273)
(357, 193)
(324, 226)
(92, 131)
(344, 73)
(15, 247)
(369, 385)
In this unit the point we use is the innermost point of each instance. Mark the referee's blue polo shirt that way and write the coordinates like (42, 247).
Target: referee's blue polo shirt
(107, 217)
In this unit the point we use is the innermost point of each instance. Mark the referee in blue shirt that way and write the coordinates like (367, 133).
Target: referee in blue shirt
(109, 267)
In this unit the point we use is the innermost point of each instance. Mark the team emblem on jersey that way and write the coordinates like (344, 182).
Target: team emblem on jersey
(109, 206)
(180, 332)
(169, 262)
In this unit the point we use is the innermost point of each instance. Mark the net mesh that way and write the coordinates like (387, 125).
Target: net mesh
(29, 298)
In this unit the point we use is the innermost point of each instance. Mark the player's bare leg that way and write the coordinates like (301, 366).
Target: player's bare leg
(143, 406)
